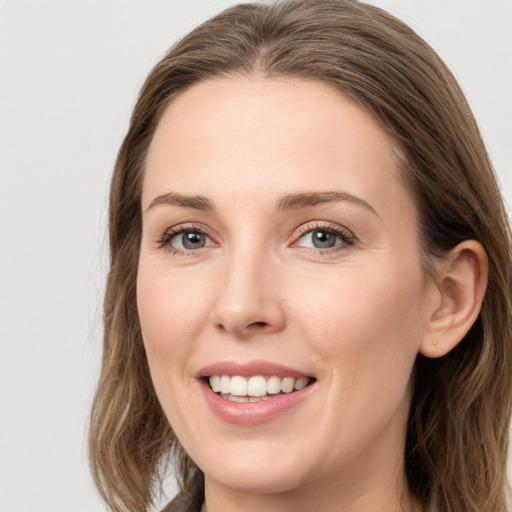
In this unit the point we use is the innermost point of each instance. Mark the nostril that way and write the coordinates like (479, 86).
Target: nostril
(258, 324)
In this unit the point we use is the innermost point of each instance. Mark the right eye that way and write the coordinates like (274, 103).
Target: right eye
(188, 240)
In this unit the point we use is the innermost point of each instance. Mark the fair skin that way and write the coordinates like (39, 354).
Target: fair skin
(277, 231)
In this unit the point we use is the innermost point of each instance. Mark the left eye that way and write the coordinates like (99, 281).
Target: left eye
(190, 240)
(320, 239)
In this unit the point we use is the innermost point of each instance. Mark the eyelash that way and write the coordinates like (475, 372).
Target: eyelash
(347, 237)
(165, 241)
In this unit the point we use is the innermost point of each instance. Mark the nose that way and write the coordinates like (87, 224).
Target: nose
(248, 300)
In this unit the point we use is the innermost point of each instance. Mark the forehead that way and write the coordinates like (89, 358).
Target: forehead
(267, 136)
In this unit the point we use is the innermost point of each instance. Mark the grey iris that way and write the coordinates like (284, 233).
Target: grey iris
(323, 239)
(193, 240)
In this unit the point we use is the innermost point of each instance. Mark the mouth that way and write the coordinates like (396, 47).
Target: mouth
(253, 393)
(255, 388)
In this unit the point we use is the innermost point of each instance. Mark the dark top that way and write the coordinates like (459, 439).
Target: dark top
(185, 502)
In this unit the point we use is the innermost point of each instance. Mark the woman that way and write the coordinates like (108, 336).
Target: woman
(308, 305)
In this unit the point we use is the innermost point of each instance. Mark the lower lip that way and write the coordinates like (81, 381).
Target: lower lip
(253, 413)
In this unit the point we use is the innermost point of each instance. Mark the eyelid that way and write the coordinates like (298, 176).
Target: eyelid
(347, 236)
(164, 239)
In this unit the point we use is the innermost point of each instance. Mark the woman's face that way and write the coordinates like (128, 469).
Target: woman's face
(279, 243)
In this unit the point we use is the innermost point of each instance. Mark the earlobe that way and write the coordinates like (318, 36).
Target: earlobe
(461, 284)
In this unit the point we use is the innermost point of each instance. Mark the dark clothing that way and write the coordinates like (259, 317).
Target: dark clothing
(184, 502)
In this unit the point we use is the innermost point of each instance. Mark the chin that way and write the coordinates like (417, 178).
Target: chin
(256, 480)
(255, 467)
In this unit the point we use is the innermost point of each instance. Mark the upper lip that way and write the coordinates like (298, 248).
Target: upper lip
(250, 368)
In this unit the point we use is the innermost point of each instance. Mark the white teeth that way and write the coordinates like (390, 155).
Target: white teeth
(238, 386)
(301, 383)
(244, 399)
(273, 385)
(287, 384)
(233, 398)
(215, 383)
(225, 384)
(255, 387)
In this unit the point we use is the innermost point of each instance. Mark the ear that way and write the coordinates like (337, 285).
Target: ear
(461, 285)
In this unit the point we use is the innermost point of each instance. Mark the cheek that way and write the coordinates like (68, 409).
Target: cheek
(172, 312)
(364, 330)
(366, 323)
(169, 309)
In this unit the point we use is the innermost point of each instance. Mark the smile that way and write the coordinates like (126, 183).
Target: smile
(256, 388)
(253, 393)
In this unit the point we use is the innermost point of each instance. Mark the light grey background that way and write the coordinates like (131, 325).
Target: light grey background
(69, 73)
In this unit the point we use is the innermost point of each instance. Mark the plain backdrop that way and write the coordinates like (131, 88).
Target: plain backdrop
(69, 74)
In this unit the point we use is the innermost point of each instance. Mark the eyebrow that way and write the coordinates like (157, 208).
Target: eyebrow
(173, 199)
(304, 199)
(292, 201)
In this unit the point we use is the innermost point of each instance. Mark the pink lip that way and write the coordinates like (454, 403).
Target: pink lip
(251, 413)
(265, 368)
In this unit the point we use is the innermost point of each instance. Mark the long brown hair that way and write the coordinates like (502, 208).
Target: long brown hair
(458, 426)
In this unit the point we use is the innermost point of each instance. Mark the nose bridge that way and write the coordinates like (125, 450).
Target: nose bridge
(247, 300)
